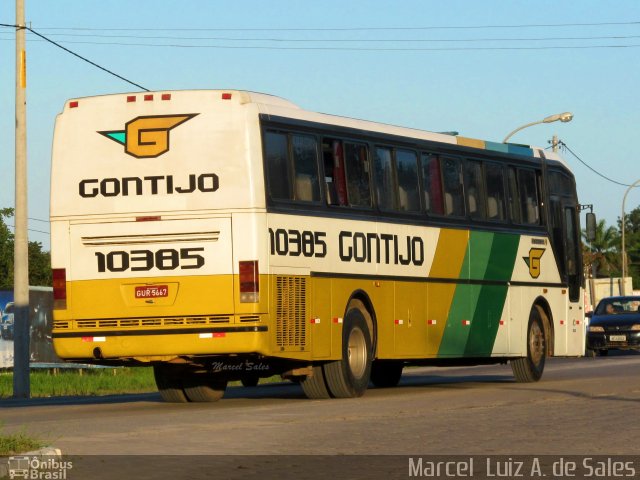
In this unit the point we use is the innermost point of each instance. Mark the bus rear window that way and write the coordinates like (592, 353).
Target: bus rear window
(292, 167)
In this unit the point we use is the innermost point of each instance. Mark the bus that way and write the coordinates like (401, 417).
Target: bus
(224, 235)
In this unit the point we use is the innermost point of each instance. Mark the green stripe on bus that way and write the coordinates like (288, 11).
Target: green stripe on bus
(486, 319)
(465, 298)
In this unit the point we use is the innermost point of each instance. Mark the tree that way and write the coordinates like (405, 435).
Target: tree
(603, 251)
(39, 261)
(632, 243)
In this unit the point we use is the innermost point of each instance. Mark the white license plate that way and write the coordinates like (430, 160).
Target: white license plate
(617, 338)
(152, 291)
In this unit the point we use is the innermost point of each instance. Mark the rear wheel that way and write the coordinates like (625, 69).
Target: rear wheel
(603, 353)
(386, 373)
(314, 385)
(204, 387)
(169, 381)
(349, 377)
(530, 368)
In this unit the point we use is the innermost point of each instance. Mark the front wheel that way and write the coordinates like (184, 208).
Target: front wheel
(530, 368)
(349, 377)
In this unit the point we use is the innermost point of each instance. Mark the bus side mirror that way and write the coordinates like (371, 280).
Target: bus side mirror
(591, 226)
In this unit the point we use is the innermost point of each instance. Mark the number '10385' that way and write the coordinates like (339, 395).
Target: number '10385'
(145, 260)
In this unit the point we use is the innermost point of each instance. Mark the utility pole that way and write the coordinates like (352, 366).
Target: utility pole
(21, 384)
(554, 144)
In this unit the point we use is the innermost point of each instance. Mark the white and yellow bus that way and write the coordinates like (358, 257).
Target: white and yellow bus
(230, 235)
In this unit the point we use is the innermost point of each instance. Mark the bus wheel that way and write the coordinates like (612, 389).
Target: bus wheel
(250, 380)
(314, 385)
(386, 373)
(349, 377)
(204, 387)
(169, 382)
(530, 368)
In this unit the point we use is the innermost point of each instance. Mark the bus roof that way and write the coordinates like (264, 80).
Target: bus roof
(272, 105)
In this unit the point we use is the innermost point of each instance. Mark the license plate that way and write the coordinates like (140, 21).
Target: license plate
(617, 338)
(152, 291)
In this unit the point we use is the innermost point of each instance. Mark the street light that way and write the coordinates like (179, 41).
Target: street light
(624, 253)
(563, 117)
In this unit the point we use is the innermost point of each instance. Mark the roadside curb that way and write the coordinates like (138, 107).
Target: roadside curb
(46, 452)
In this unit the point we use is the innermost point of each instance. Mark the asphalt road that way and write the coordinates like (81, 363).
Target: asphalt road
(581, 406)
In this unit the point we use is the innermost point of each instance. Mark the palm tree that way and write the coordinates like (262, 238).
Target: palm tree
(604, 250)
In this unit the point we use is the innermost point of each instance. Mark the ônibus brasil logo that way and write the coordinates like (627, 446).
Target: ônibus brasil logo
(147, 137)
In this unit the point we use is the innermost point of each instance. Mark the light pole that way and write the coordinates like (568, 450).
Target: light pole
(624, 253)
(563, 117)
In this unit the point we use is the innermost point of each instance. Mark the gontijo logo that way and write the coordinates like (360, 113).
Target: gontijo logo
(147, 137)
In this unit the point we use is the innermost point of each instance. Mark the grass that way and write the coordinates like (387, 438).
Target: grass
(92, 381)
(20, 442)
(95, 381)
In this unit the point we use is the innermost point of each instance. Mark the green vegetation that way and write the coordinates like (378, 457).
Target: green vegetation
(605, 251)
(39, 261)
(20, 442)
(94, 381)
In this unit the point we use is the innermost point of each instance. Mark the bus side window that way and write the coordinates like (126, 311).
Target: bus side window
(452, 180)
(305, 164)
(334, 171)
(384, 179)
(408, 186)
(514, 199)
(432, 184)
(356, 160)
(528, 197)
(277, 165)
(473, 189)
(495, 192)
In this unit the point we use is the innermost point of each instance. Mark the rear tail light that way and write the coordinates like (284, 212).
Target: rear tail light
(59, 288)
(249, 281)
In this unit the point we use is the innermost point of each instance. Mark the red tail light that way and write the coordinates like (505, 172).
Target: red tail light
(59, 288)
(249, 281)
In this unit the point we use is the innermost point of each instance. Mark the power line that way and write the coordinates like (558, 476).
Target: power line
(351, 40)
(346, 49)
(351, 29)
(31, 230)
(591, 168)
(77, 55)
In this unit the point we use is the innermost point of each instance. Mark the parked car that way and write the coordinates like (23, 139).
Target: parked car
(6, 327)
(615, 324)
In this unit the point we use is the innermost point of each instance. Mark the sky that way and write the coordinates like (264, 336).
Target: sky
(482, 68)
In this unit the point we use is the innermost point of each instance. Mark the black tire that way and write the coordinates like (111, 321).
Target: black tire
(250, 380)
(204, 387)
(349, 377)
(530, 368)
(314, 385)
(386, 373)
(169, 382)
(603, 352)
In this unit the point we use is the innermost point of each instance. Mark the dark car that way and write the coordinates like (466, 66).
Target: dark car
(615, 324)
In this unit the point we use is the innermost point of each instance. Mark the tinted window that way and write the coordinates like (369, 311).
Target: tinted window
(408, 187)
(384, 179)
(473, 189)
(334, 172)
(357, 173)
(305, 166)
(514, 199)
(495, 192)
(276, 153)
(451, 176)
(528, 197)
(432, 184)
